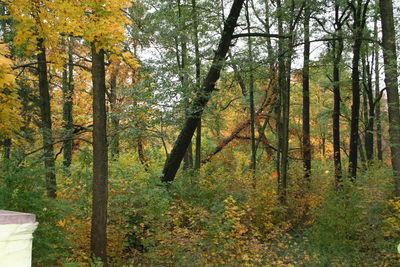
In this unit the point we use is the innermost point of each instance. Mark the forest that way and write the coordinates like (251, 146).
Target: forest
(203, 132)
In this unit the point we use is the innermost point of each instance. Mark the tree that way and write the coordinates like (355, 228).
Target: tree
(197, 161)
(34, 20)
(306, 95)
(359, 10)
(337, 50)
(100, 159)
(202, 96)
(390, 68)
(68, 90)
(251, 98)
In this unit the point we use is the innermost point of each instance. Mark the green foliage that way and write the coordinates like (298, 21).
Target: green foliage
(22, 189)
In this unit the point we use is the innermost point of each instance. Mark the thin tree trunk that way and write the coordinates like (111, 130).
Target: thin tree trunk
(251, 99)
(379, 152)
(114, 144)
(197, 162)
(337, 48)
(46, 124)
(306, 97)
(279, 102)
(188, 157)
(370, 114)
(68, 90)
(100, 160)
(390, 67)
(142, 156)
(359, 11)
(202, 96)
(285, 102)
(7, 148)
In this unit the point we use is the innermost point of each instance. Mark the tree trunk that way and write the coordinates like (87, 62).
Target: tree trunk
(100, 161)
(306, 97)
(359, 12)
(369, 112)
(355, 110)
(251, 99)
(284, 66)
(279, 102)
(390, 68)
(188, 157)
(197, 162)
(202, 96)
(68, 90)
(379, 151)
(115, 127)
(46, 124)
(7, 148)
(337, 47)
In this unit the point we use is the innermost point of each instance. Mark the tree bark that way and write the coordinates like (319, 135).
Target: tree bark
(251, 100)
(379, 152)
(390, 69)
(306, 97)
(337, 47)
(100, 160)
(369, 110)
(68, 90)
(115, 127)
(202, 96)
(359, 13)
(188, 157)
(46, 124)
(197, 162)
(7, 148)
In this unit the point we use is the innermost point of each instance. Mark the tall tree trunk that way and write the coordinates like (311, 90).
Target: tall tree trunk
(279, 102)
(359, 13)
(202, 96)
(306, 96)
(114, 142)
(251, 99)
(197, 162)
(355, 110)
(370, 111)
(285, 97)
(68, 90)
(390, 67)
(379, 151)
(188, 157)
(46, 124)
(337, 47)
(100, 160)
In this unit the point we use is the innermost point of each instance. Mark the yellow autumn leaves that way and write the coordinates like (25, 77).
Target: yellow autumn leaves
(102, 21)
(9, 102)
